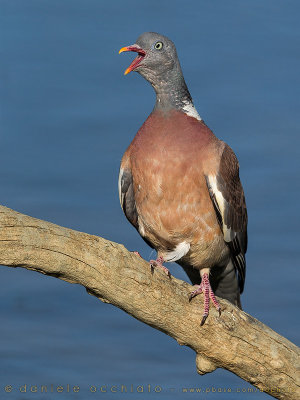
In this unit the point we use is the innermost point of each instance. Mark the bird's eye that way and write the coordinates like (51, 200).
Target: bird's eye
(158, 45)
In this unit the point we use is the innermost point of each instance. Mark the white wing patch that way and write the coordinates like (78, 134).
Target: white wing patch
(141, 227)
(121, 195)
(190, 110)
(180, 251)
(228, 233)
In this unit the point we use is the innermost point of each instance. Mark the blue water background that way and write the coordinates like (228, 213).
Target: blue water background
(67, 114)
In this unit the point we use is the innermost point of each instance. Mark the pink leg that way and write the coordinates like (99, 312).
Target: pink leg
(206, 289)
(159, 263)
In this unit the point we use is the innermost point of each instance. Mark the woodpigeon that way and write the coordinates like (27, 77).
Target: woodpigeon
(179, 184)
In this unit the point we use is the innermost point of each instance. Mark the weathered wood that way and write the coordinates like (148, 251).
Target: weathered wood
(235, 341)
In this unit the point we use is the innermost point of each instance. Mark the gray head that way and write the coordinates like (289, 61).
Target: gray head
(157, 62)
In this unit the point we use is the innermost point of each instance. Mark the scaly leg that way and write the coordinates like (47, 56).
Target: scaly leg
(206, 289)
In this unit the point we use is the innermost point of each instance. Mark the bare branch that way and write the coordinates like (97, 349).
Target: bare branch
(235, 341)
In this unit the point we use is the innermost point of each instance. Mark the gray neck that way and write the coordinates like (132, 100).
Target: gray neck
(172, 92)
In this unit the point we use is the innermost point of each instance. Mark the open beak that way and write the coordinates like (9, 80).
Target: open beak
(136, 62)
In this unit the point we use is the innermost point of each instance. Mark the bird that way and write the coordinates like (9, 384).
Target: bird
(179, 185)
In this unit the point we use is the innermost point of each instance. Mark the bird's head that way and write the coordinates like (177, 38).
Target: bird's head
(157, 62)
(156, 57)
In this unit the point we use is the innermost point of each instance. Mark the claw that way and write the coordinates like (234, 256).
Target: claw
(203, 319)
(191, 296)
(195, 292)
(169, 274)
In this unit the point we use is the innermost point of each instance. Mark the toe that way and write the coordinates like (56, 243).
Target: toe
(203, 319)
(195, 292)
(166, 271)
(191, 296)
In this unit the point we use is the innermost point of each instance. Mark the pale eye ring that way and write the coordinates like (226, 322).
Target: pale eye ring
(158, 45)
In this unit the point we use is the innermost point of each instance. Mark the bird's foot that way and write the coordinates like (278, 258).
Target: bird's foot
(206, 289)
(195, 292)
(159, 263)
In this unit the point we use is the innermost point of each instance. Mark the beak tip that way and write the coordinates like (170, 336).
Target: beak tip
(122, 49)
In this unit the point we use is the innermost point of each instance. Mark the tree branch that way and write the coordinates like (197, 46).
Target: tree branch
(235, 341)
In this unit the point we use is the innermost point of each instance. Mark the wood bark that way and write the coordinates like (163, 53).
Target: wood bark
(234, 341)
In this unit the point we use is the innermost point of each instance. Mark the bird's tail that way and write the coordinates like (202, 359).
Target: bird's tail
(224, 283)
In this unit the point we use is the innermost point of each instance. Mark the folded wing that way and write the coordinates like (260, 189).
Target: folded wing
(228, 198)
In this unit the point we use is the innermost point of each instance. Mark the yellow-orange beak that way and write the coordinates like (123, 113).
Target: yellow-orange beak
(123, 49)
(126, 48)
(136, 62)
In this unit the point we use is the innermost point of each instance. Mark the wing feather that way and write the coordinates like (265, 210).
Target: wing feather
(126, 195)
(228, 198)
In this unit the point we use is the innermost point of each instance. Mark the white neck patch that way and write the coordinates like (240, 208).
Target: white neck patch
(190, 110)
